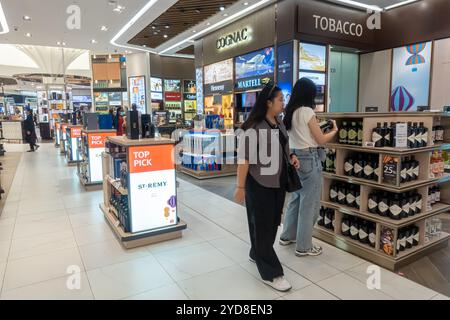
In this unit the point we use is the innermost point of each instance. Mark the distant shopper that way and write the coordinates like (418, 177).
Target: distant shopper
(306, 138)
(264, 193)
(119, 121)
(30, 131)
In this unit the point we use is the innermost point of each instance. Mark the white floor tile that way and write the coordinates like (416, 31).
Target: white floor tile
(189, 238)
(394, 285)
(37, 217)
(440, 297)
(348, 288)
(309, 267)
(311, 292)
(40, 268)
(93, 234)
(6, 232)
(29, 207)
(55, 289)
(4, 250)
(225, 284)
(129, 278)
(93, 209)
(187, 262)
(51, 225)
(42, 244)
(7, 221)
(109, 252)
(170, 292)
(86, 219)
(233, 247)
(339, 259)
(2, 273)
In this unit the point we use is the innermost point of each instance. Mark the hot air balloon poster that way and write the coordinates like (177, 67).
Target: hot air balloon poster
(411, 71)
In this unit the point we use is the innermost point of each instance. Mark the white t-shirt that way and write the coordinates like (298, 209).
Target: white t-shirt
(300, 136)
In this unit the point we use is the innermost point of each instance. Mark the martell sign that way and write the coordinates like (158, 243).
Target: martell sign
(233, 39)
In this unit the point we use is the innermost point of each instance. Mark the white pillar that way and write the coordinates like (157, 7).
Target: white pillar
(138, 64)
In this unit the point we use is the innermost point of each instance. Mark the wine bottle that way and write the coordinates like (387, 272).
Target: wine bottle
(320, 220)
(404, 171)
(327, 219)
(412, 204)
(393, 130)
(395, 209)
(424, 136)
(358, 197)
(416, 168)
(410, 170)
(373, 203)
(405, 207)
(345, 226)
(402, 238)
(418, 135)
(415, 236)
(409, 238)
(348, 166)
(377, 169)
(343, 133)
(377, 138)
(418, 199)
(368, 170)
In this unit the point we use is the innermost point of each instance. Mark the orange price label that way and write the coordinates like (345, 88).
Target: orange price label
(151, 158)
(98, 140)
(75, 132)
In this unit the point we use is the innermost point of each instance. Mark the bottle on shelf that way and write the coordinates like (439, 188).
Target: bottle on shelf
(373, 203)
(411, 136)
(342, 194)
(357, 197)
(417, 135)
(345, 226)
(393, 131)
(424, 135)
(387, 138)
(372, 235)
(395, 208)
(321, 219)
(334, 189)
(368, 171)
(404, 170)
(349, 166)
(360, 133)
(383, 205)
(363, 234)
(354, 228)
(328, 218)
(343, 133)
(353, 134)
(377, 136)
(351, 196)
(359, 167)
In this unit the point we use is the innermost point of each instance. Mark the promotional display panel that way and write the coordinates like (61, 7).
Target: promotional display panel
(200, 96)
(411, 70)
(255, 70)
(174, 110)
(115, 98)
(189, 86)
(152, 187)
(156, 87)
(137, 93)
(172, 85)
(286, 70)
(96, 143)
(219, 72)
(190, 106)
(101, 102)
(75, 136)
(313, 57)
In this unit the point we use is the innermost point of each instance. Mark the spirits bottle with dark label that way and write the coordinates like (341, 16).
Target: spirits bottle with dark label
(373, 203)
(387, 135)
(353, 134)
(350, 196)
(416, 168)
(334, 192)
(383, 205)
(411, 136)
(354, 229)
(358, 197)
(343, 133)
(359, 167)
(372, 235)
(377, 137)
(395, 208)
(363, 232)
(348, 166)
(360, 133)
(342, 194)
(345, 226)
(320, 220)
(404, 170)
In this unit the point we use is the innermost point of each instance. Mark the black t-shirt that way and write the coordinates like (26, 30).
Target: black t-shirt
(283, 142)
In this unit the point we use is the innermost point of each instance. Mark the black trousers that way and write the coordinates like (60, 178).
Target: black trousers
(264, 210)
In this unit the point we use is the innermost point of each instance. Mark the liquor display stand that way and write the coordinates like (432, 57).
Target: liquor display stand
(73, 134)
(91, 148)
(57, 134)
(209, 154)
(384, 175)
(63, 135)
(140, 192)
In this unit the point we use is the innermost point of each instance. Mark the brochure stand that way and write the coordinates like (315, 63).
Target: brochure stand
(73, 134)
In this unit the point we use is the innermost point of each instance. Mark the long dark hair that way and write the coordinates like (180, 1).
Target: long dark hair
(303, 95)
(259, 111)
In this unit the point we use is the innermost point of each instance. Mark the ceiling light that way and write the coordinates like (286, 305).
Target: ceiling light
(194, 31)
(218, 24)
(222, 8)
(153, 27)
(167, 27)
(3, 23)
(112, 2)
(166, 36)
(245, 3)
(208, 23)
(26, 18)
(58, 43)
(361, 5)
(155, 33)
(400, 4)
(28, 35)
(225, 14)
(63, 44)
(119, 8)
(93, 41)
(104, 28)
(144, 45)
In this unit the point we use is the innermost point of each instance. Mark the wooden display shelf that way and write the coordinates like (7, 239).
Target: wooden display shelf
(134, 240)
(438, 208)
(117, 185)
(90, 185)
(385, 186)
(323, 229)
(360, 115)
(443, 237)
(388, 150)
(227, 170)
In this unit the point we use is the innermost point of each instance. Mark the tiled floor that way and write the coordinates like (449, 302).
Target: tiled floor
(55, 244)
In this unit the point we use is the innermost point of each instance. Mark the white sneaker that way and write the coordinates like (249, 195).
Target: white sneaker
(286, 242)
(314, 251)
(279, 284)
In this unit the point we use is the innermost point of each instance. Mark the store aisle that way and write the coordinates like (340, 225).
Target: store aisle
(50, 228)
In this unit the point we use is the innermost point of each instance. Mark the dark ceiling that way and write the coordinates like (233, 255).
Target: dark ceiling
(182, 16)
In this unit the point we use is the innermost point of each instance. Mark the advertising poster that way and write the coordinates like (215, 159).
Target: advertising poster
(101, 102)
(312, 57)
(156, 85)
(172, 85)
(75, 135)
(189, 86)
(115, 98)
(411, 70)
(255, 64)
(219, 72)
(137, 93)
(96, 148)
(286, 69)
(190, 106)
(172, 96)
(152, 187)
(200, 95)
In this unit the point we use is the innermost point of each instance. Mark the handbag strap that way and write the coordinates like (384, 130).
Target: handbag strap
(285, 156)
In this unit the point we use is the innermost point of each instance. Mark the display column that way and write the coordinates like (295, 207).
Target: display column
(138, 65)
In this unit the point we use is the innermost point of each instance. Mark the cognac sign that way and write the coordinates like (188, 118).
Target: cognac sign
(233, 39)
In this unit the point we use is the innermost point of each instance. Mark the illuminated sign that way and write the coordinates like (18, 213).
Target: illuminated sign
(172, 96)
(253, 83)
(152, 186)
(75, 132)
(233, 39)
(190, 96)
(96, 148)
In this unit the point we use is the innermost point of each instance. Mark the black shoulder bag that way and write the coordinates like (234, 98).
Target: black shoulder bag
(293, 180)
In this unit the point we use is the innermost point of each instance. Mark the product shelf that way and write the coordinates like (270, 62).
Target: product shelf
(116, 184)
(388, 150)
(442, 237)
(323, 229)
(438, 208)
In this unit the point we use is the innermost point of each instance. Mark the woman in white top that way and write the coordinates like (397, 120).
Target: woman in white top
(305, 138)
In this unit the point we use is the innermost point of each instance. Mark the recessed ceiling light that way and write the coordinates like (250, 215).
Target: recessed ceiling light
(208, 23)
(144, 45)
(93, 41)
(361, 5)
(166, 36)
(119, 8)
(222, 8)
(155, 33)
(58, 43)
(26, 18)
(245, 3)
(28, 35)
(167, 27)
(112, 2)
(194, 31)
(153, 27)
(63, 43)
(400, 4)
(225, 14)
(104, 28)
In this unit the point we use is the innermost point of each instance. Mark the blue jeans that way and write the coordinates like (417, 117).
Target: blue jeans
(304, 205)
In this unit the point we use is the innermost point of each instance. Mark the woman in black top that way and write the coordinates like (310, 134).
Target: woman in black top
(30, 131)
(262, 179)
